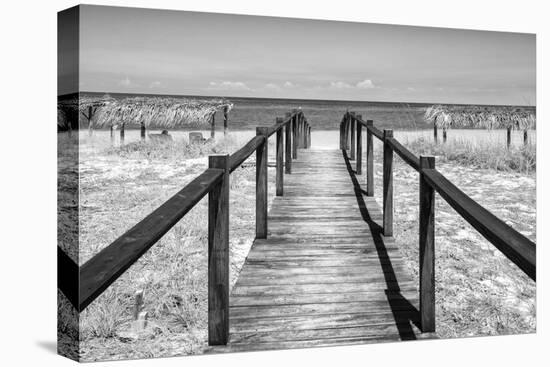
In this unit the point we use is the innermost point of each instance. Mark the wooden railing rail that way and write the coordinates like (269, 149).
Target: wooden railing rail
(82, 285)
(516, 247)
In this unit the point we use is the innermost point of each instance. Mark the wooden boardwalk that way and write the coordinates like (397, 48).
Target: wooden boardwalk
(325, 275)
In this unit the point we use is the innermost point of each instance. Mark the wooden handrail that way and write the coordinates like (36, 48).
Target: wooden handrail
(404, 153)
(82, 285)
(104, 268)
(241, 155)
(518, 248)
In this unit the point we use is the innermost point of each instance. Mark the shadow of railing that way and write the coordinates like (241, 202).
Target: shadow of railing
(403, 311)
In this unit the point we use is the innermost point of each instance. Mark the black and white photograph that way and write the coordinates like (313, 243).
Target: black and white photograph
(233, 183)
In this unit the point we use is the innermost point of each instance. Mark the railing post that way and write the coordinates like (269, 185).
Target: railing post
(142, 131)
(295, 135)
(370, 160)
(353, 122)
(435, 132)
(508, 137)
(388, 185)
(359, 162)
(308, 136)
(218, 254)
(225, 120)
(444, 135)
(213, 126)
(426, 249)
(342, 132)
(261, 185)
(346, 131)
(525, 137)
(279, 175)
(288, 145)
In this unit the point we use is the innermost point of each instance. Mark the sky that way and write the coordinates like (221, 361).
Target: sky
(175, 52)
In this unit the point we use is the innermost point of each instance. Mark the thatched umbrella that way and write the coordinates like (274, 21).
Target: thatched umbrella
(161, 112)
(87, 106)
(509, 118)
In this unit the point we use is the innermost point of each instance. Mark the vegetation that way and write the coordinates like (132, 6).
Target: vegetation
(490, 155)
(119, 187)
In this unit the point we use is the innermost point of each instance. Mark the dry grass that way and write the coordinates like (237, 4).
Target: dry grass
(478, 290)
(119, 187)
(493, 156)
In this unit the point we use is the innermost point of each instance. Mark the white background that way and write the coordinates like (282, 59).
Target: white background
(28, 180)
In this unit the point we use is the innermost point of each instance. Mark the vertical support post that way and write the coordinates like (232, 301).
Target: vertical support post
(89, 118)
(427, 248)
(309, 137)
(279, 175)
(342, 132)
(218, 254)
(112, 135)
(122, 133)
(359, 161)
(370, 160)
(435, 132)
(525, 137)
(142, 132)
(295, 136)
(388, 185)
(346, 131)
(508, 137)
(288, 144)
(444, 135)
(213, 125)
(261, 185)
(305, 133)
(352, 135)
(225, 120)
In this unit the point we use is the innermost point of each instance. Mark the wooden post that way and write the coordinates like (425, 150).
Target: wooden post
(435, 132)
(309, 137)
(370, 160)
(359, 156)
(112, 135)
(525, 137)
(305, 133)
(353, 122)
(444, 135)
(138, 303)
(426, 249)
(142, 131)
(295, 136)
(342, 132)
(261, 185)
(346, 131)
(89, 118)
(122, 133)
(388, 185)
(218, 254)
(279, 177)
(288, 144)
(225, 120)
(508, 137)
(213, 126)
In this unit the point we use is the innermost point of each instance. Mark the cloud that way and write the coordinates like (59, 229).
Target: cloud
(272, 86)
(365, 84)
(289, 85)
(340, 85)
(126, 82)
(154, 84)
(228, 85)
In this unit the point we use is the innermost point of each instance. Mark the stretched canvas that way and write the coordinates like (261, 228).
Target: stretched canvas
(233, 183)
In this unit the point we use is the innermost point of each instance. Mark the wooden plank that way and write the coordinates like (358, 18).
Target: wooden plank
(387, 194)
(261, 184)
(279, 175)
(426, 248)
(319, 288)
(218, 254)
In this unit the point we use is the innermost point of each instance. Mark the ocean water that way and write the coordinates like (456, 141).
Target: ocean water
(248, 113)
